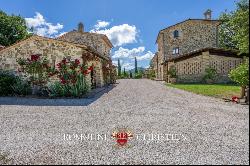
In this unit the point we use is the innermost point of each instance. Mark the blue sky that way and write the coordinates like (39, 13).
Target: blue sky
(132, 25)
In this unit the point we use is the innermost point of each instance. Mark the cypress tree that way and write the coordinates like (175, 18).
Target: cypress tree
(119, 68)
(136, 69)
(130, 75)
(124, 72)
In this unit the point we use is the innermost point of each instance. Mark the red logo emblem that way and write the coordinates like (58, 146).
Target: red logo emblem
(122, 136)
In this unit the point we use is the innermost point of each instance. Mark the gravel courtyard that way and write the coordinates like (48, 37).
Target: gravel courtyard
(34, 131)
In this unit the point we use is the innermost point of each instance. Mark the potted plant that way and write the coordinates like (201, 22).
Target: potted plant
(172, 74)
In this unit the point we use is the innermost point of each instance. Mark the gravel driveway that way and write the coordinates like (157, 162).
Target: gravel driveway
(202, 130)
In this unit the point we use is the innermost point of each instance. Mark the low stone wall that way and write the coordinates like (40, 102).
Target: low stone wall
(192, 70)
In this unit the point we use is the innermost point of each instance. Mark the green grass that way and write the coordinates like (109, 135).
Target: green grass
(215, 90)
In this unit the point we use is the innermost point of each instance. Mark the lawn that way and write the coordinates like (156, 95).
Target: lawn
(215, 90)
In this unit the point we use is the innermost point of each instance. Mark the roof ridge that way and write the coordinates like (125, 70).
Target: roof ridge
(203, 50)
(37, 36)
(90, 33)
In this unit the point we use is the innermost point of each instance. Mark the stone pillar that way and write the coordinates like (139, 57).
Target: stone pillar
(168, 67)
(99, 75)
(205, 61)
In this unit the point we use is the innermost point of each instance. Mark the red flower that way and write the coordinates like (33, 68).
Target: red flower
(34, 58)
(63, 81)
(64, 61)
(77, 62)
(59, 65)
(91, 68)
(85, 72)
(235, 99)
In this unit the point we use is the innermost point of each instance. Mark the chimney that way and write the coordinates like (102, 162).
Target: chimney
(80, 27)
(208, 14)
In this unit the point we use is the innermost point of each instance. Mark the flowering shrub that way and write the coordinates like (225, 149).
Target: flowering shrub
(72, 76)
(36, 68)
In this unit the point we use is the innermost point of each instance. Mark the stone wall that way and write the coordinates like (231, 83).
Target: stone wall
(93, 40)
(193, 35)
(192, 70)
(54, 50)
(155, 65)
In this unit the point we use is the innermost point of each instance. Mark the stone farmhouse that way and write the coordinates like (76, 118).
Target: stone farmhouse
(190, 47)
(91, 48)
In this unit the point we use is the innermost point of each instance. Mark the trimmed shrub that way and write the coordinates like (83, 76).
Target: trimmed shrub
(7, 80)
(21, 87)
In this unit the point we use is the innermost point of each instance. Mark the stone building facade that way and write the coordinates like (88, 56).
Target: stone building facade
(74, 45)
(98, 42)
(155, 65)
(190, 68)
(185, 38)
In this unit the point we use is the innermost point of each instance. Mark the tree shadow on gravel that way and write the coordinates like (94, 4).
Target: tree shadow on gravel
(29, 101)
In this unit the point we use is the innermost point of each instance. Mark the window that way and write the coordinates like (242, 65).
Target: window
(176, 50)
(176, 34)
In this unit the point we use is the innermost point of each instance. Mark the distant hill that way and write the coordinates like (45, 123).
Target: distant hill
(139, 69)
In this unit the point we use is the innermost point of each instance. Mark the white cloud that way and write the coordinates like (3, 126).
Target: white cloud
(101, 24)
(42, 27)
(149, 55)
(120, 35)
(126, 53)
(38, 20)
(139, 53)
(62, 33)
(116, 62)
(128, 66)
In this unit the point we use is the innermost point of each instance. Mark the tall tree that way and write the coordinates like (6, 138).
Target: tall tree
(119, 68)
(130, 75)
(12, 29)
(136, 68)
(124, 71)
(234, 30)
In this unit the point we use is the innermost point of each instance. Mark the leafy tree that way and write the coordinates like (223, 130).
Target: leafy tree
(124, 72)
(136, 68)
(119, 68)
(240, 75)
(130, 75)
(12, 29)
(234, 31)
